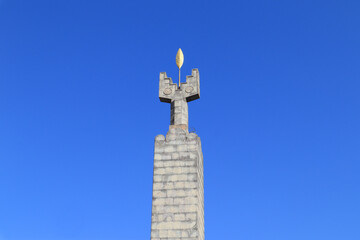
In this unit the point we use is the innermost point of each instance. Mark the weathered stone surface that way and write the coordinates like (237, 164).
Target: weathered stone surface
(178, 187)
(178, 192)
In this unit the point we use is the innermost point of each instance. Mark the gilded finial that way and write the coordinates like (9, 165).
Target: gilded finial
(179, 58)
(179, 61)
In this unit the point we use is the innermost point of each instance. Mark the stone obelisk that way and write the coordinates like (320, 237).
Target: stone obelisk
(178, 189)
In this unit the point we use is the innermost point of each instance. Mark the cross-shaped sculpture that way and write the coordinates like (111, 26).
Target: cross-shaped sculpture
(179, 96)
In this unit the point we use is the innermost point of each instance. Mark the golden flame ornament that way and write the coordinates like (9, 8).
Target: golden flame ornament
(179, 61)
(179, 58)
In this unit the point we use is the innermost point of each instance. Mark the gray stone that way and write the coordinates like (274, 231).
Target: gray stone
(178, 192)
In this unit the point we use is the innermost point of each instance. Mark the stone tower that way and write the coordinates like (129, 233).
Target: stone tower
(178, 190)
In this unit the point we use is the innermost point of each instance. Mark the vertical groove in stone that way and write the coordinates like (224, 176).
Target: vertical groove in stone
(179, 112)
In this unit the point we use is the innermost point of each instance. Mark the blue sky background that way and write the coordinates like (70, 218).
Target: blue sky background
(278, 116)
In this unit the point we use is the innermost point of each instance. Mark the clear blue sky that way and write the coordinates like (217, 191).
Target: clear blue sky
(278, 116)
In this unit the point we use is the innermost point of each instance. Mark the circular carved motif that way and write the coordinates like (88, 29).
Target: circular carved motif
(167, 91)
(189, 89)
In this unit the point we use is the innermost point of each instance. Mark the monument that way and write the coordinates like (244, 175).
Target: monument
(178, 189)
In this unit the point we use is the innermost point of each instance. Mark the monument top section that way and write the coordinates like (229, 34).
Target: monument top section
(190, 90)
(179, 95)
